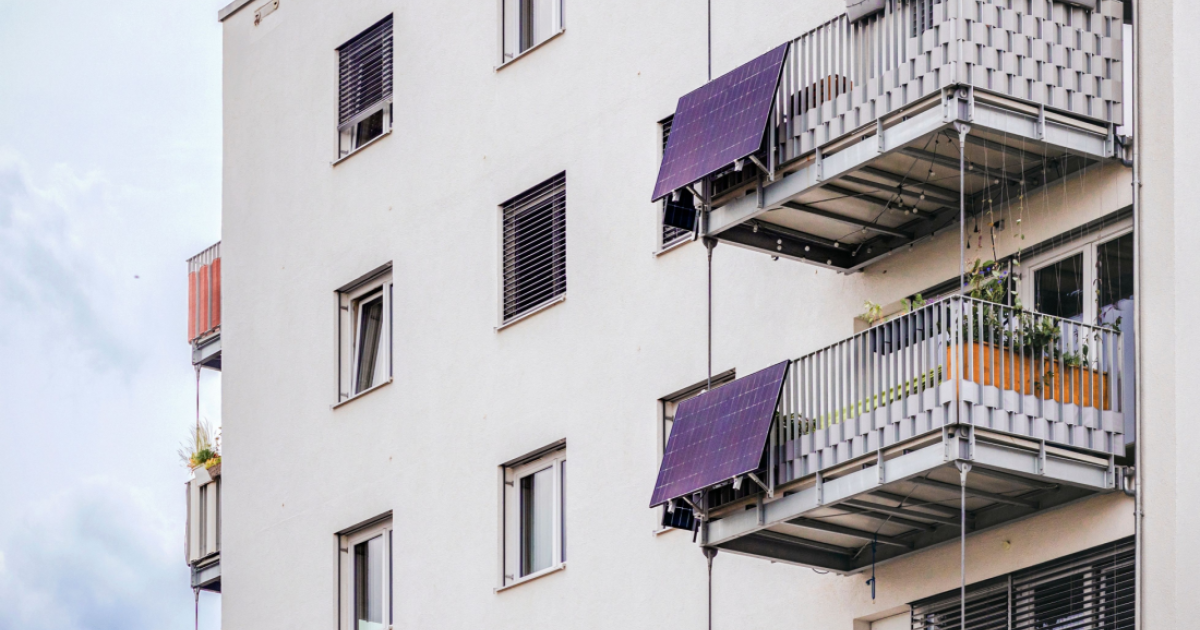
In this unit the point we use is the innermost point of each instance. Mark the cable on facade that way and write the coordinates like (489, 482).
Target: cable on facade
(709, 554)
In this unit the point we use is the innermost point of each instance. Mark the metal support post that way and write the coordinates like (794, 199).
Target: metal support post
(963, 469)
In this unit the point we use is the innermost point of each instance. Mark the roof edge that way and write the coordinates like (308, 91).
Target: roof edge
(231, 8)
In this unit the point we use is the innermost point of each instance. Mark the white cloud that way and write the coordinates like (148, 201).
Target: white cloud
(95, 556)
(56, 271)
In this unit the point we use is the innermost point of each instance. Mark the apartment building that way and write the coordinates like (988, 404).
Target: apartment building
(849, 314)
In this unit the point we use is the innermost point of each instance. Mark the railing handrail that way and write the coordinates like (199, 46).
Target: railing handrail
(952, 298)
(873, 58)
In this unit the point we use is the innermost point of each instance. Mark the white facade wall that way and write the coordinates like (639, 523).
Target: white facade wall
(467, 397)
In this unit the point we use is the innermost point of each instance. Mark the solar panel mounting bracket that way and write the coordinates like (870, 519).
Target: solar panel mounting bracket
(770, 491)
(770, 173)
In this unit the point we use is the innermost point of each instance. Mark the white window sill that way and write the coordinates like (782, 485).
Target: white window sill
(662, 530)
(673, 246)
(533, 576)
(533, 311)
(529, 50)
(356, 150)
(361, 394)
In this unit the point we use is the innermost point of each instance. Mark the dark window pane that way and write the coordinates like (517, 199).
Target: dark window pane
(1058, 288)
(370, 332)
(537, 521)
(369, 128)
(1114, 264)
(368, 584)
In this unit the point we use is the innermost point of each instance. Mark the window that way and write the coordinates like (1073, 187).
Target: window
(365, 333)
(535, 247)
(1058, 288)
(1114, 268)
(680, 517)
(528, 23)
(675, 214)
(535, 502)
(1089, 590)
(668, 404)
(365, 87)
(365, 576)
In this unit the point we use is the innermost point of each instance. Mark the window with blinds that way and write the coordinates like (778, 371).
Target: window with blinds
(535, 247)
(365, 87)
(1090, 590)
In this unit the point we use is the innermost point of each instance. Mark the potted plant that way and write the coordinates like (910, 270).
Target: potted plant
(201, 450)
(1015, 350)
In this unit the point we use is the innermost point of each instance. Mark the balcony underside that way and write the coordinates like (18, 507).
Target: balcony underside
(207, 352)
(910, 501)
(841, 207)
(206, 574)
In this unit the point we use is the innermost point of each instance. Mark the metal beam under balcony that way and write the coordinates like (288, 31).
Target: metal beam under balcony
(909, 501)
(855, 202)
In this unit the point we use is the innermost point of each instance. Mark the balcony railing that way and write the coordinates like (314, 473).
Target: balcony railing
(204, 293)
(203, 541)
(204, 307)
(843, 75)
(955, 361)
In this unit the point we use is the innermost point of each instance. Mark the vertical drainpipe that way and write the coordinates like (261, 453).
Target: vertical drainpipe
(1139, 439)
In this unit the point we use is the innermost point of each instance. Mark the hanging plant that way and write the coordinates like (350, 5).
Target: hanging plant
(201, 450)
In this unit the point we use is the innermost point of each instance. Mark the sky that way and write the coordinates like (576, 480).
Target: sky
(110, 158)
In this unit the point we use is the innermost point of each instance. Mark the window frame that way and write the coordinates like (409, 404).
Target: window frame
(552, 457)
(1088, 246)
(349, 302)
(663, 434)
(345, 542)
(674, 398)
(662, 244)
(502, 34)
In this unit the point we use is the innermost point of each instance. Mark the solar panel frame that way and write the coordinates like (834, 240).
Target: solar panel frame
(720, 122)
(720, 434)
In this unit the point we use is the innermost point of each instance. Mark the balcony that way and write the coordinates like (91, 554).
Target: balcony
(869, 437)
(203, 542)
(204, 307)
(886, 130)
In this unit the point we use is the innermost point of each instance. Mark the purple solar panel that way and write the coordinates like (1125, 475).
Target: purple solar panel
(719, 122)
(719, 435)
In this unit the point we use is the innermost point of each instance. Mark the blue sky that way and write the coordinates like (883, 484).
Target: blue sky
(109, 180)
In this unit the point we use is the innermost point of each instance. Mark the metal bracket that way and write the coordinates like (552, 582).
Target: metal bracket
(971, 443)
(762, 516)
(820, 489)
(820, 155)
(879, 465)
(758, 189)
(1041, 122)
(770, 491)
(1110, 142)
(1111, 475)
(696, 510)
(963, 129)
(770, 173)
(963, 469)
(1041, 463)
(879, 136)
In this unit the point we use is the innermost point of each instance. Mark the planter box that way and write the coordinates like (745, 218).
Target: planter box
(1005, 369)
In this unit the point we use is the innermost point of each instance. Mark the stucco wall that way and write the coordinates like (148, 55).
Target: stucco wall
(591, 369)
